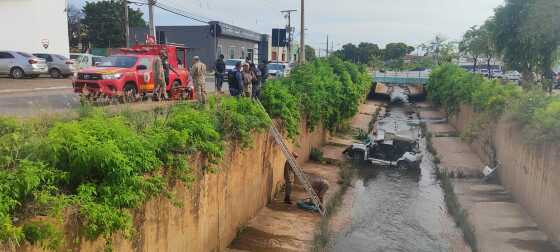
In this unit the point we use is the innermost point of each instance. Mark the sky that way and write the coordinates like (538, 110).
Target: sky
(347, 21)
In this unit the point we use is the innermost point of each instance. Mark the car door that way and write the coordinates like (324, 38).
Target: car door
(6, 62)
(145, 78)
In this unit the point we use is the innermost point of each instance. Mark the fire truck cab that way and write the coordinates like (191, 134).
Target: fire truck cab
(129, 73)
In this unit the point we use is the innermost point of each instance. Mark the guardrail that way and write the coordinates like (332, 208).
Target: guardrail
(402, 78)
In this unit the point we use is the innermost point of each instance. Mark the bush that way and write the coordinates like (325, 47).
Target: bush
(326, 91)
(537, 113)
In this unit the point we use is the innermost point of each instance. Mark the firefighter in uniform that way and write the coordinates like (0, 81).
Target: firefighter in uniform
(199, 79)
(159, 80)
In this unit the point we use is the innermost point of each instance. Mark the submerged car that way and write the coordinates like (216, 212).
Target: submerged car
(390, 150)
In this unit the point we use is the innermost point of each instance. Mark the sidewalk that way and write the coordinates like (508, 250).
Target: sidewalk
(499, 223)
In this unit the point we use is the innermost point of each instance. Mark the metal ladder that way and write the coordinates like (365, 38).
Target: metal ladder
(292, 161)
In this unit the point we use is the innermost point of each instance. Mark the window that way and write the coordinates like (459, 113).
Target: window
(94, 60)
(118, 61)
(274, 56)
(24, 54)
(232, 52)
(146, 62)
(6, 55)
(60, 57)
(242, 52)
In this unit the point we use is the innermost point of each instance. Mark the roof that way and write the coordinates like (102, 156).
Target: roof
(235, 31)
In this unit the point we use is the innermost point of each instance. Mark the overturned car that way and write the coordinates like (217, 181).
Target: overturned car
(388, 149)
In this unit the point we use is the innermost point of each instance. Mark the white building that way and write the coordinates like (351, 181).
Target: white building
(34, 26)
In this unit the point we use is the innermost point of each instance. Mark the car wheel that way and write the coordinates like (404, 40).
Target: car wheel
(55, 73)
(17, 73)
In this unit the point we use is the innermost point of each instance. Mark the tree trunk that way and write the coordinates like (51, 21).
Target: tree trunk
(475, 63)
(489, 67)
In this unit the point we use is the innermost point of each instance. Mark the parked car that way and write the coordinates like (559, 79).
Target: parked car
(59, 66)
(276, 69)
(230, 64)
(20, 64)
(512, 75)
(84, 60)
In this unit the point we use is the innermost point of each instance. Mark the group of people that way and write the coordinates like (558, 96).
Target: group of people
(245, 79)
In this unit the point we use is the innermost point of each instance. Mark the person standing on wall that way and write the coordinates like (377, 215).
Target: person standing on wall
(256, 83)
(248, 77)
(220, 69)
(263, 67)
(235, 80)
(199, 78)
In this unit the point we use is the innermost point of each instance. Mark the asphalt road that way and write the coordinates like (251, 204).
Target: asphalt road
(45, 95)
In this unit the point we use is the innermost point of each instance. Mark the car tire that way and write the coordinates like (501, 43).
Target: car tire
(17, 73)
(55, 73)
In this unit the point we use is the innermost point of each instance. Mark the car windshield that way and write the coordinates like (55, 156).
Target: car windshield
(118, 61)
(275, 67)
(232, 62)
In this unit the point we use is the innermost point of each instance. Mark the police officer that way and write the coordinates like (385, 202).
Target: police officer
(220, 68)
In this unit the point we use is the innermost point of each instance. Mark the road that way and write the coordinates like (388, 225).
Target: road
(45, 95)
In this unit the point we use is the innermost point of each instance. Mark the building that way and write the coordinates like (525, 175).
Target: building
(34, 26)
(231, 41)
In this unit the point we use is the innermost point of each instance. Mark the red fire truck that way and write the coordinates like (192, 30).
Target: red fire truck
(128, 75)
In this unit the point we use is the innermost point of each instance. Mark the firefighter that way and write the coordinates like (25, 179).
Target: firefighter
(289, 180)
(248, 77)
(159, 80)
(199, 78)
(320, 186)
(220, 70)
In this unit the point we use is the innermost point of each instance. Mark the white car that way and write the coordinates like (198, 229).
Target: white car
(230, 64)
(84, 60)
(276, 69)
(512, 75)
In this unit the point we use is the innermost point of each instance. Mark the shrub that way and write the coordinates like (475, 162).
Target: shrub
(281, 104)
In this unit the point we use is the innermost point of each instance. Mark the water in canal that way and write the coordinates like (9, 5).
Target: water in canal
(398, 211)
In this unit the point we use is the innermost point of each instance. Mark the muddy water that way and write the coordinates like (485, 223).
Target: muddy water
(395, 210)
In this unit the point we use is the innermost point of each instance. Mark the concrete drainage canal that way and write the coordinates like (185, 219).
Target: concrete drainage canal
(396, 209)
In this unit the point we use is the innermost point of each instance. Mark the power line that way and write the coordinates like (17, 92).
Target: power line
(180, 12)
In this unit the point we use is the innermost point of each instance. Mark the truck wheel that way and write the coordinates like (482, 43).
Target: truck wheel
(55, 73)
(17, 73)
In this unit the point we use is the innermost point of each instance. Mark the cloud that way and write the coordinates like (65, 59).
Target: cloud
(377, 21)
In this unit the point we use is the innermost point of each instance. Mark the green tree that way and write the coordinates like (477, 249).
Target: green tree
(104, 22)
(472, 44)
(527, 35)
(396, 51)
(309, 53)
(441, 50)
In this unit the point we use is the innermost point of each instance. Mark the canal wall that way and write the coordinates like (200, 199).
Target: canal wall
(214, 208)
(530, 173)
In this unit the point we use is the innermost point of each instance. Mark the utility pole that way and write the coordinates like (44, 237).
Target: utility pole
(302, 35)
(151, 4)
(327, 45)
(288, 14)
(126, 24)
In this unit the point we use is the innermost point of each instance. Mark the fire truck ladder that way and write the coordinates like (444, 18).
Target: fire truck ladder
(292, 161)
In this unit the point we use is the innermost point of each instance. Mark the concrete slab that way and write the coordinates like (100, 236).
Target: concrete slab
(500, 224)
(432, 114)
(438, 129)
(457, 157)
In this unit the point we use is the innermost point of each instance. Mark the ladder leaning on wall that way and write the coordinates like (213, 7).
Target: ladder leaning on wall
(292, 161)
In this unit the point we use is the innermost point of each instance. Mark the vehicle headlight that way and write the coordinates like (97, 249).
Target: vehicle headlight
(115, 76)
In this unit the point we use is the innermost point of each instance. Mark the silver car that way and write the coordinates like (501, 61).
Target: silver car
(20, 64)
(59, 66)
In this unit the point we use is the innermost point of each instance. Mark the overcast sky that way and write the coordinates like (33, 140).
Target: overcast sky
(376, 21)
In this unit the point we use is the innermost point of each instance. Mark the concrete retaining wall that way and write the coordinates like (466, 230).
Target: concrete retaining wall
(214, 208)
(530, 173)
